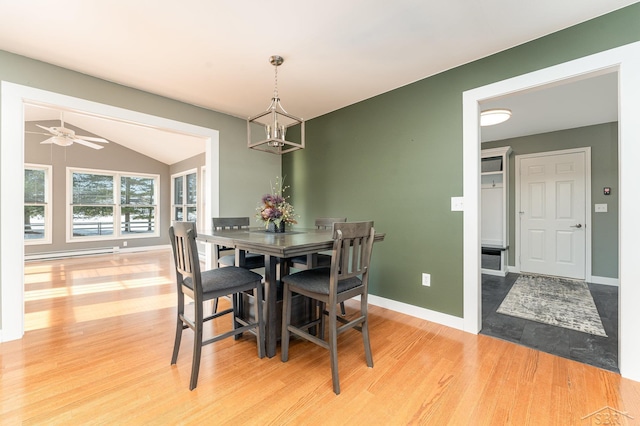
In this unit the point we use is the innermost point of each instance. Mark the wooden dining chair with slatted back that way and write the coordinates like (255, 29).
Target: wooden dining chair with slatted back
(226, 256)
(347, 277)
(321, 259)
(203, 286)
(250, 261)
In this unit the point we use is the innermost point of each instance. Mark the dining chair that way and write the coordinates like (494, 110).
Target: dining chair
(203, 286)
(347, 277)
(321, 259)
(250, 261)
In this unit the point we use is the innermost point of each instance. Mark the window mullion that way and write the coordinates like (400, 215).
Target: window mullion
(117, 213)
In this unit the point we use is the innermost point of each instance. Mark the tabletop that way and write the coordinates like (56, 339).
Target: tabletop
(295, 242)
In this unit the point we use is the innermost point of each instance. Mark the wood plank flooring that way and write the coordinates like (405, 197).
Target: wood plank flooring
(100, 335)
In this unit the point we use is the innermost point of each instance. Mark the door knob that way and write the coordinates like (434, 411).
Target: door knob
(577, 226)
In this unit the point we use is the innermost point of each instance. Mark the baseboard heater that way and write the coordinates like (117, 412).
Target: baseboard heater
(71, 253)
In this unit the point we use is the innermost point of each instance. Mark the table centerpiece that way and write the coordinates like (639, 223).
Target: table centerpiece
(274, 211)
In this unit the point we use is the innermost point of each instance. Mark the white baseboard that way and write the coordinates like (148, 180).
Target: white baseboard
(418, 312)
(92, 252)
(494, 272)
(146, 248)
(605, 281)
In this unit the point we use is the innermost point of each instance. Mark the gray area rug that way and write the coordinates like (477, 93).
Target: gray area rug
(556, 301)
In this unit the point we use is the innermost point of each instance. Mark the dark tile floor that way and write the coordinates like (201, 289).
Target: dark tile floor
(598, 351)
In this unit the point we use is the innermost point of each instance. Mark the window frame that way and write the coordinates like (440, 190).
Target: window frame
(117, 205)
(48, 204)
(184, 204)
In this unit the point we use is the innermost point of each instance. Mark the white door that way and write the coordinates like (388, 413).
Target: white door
(552, 214)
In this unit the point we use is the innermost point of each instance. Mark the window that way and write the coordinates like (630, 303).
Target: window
(137, 210)
(37, 205)
(185, 196)
(108, 205)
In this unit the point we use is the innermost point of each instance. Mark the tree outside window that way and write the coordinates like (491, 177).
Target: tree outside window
(185, 197)
(93, 204)
(37, 222)
(110, 204)
(137, 205)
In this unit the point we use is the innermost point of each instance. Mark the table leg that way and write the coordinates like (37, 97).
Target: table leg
(271, 294)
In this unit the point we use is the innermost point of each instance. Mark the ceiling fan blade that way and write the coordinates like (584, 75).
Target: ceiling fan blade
(38, 133)
(48, 129)
(89, 144)
(47, 141)
(93, 139)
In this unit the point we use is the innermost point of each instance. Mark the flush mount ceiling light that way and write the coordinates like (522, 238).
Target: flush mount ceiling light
(274, 122)
(494, 116)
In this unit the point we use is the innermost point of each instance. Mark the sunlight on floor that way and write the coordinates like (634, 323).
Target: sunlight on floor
(98, 311)
(51, 293)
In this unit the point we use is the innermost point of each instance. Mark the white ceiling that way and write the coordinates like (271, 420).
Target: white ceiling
(214, 53)
(153, 142)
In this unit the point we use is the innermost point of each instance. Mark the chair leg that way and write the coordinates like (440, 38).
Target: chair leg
(286, 320)
(215, 305)
(236, 300)
(333, 347)
(179, 328)
(321, 308)
(342, 310)
(197, 346)
(365, 334)
(260, 332)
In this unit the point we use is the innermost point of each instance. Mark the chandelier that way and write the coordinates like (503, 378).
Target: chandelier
(273, 123)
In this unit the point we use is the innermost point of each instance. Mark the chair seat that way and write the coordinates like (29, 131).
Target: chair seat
(252, 260)
(222, 279)
(323, 260)
(316, 280)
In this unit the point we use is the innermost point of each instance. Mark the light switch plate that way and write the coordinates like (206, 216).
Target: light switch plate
(457, 204)
(601, 208)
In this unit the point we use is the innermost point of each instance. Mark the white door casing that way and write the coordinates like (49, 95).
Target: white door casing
(625, 60)
(552, 211)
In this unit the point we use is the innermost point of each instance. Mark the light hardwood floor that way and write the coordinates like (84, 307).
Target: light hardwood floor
(100, 335)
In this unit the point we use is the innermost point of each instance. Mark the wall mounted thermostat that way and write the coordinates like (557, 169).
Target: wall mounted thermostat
(607, 190)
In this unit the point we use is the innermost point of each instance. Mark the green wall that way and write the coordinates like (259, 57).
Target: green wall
(603, 140)
(397, 159)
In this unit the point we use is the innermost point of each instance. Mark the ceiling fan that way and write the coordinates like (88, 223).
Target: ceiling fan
(65, 137)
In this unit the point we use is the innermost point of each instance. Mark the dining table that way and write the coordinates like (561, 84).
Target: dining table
(276, 248)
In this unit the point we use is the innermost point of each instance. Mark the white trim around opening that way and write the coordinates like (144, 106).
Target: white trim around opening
(626, 61)
(12, 99)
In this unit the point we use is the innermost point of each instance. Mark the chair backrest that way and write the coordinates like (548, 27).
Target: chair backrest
(185, 255)
(327, 222)
(352, 246)
(229, 222)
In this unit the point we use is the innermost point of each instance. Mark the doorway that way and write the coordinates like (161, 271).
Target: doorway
(553, 230)
(13, 97)
(624, 61)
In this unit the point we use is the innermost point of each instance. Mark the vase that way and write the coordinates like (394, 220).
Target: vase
(271, 227)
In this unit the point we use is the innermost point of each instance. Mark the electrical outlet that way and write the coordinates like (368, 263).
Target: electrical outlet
(124, 244)
(426, 280)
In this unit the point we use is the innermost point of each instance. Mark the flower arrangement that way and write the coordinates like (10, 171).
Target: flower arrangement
(274, 208)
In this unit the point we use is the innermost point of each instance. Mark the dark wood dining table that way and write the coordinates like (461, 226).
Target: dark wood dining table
(274, 246)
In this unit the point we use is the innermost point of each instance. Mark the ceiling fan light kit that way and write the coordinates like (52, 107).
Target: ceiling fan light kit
(274, 123)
